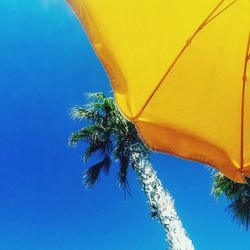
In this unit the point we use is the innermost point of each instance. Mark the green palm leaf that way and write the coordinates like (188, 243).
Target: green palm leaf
(238, 195)
(92, 174)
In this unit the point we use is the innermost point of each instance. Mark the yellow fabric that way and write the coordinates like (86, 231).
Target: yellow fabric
(177, 70)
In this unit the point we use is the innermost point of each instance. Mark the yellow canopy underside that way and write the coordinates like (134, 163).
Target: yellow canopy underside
(178, 72)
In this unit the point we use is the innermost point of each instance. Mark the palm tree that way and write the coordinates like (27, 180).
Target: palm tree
(109, 133)
(239, 196)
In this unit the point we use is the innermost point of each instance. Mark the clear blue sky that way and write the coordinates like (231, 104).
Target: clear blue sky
(46, 66)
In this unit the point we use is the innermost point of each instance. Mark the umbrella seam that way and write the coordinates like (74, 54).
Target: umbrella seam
(208, 19)
(244, 79)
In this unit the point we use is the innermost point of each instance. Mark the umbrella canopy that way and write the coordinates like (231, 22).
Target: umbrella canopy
(179, 72)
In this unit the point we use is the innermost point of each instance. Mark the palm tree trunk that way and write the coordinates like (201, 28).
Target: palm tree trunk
(160, 201)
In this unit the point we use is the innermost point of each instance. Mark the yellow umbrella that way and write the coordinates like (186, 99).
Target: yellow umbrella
(179, 72)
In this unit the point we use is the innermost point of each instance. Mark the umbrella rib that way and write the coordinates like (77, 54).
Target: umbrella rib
(228, 6)
(208, 19)
(244, 79)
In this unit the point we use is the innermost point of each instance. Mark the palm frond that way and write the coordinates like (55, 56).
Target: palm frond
(90, 134)
(239, 196)
(122, 174)
(240, 211)
(96, 96)
(92, 174)
(231, 189)
(87, 153)
(102, 103)
(104, 147)
(89, 114)
(107, 164)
